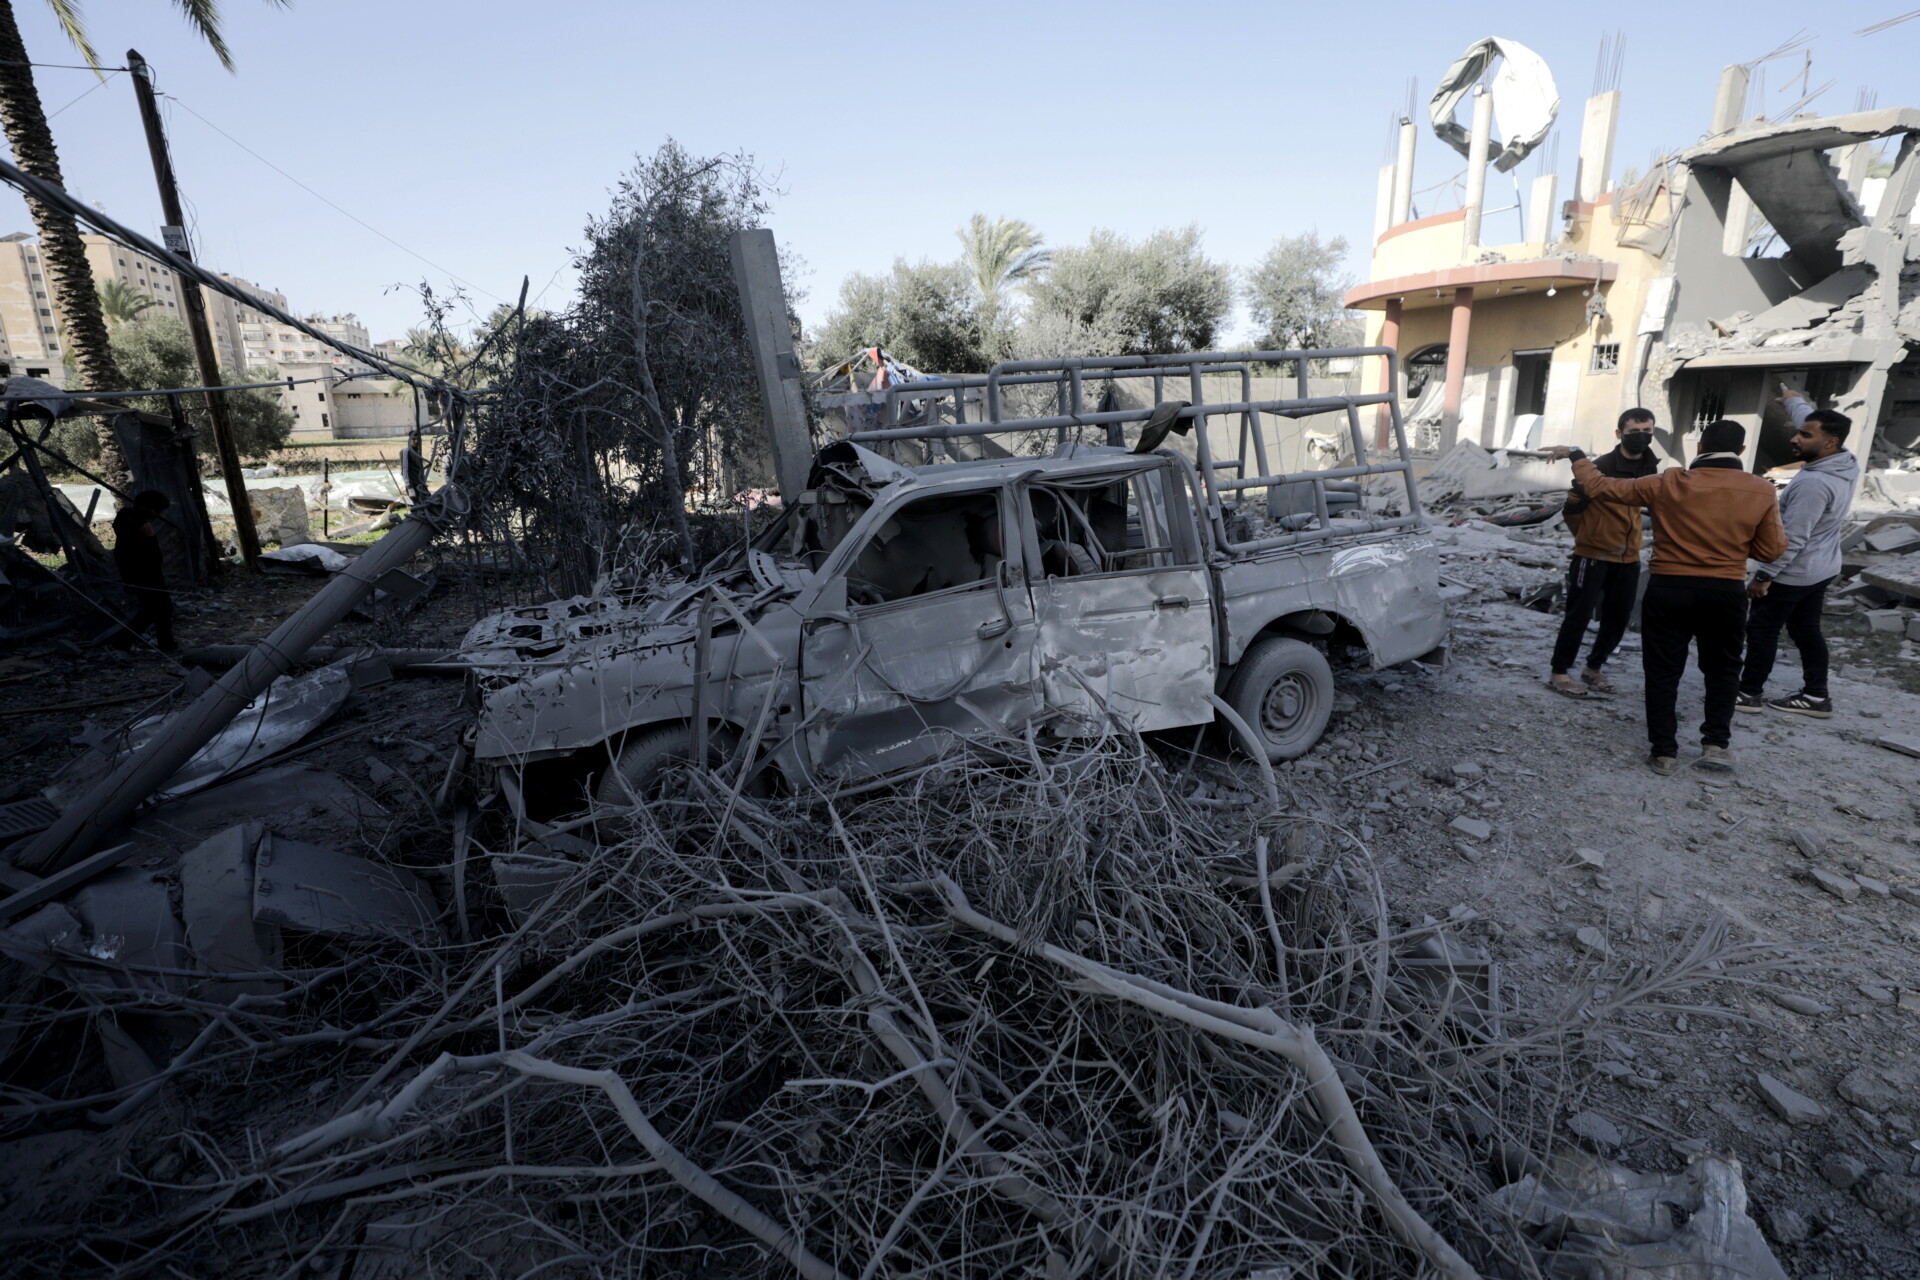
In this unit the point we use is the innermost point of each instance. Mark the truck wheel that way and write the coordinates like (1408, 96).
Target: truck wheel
(647, 761)
(1283, 689)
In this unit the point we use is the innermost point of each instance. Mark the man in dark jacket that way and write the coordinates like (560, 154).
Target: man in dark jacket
(1604, 573)
(1791, 591)
(136, 553)
(1708, 521)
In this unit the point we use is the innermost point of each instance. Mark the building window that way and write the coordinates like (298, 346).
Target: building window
(321, 397)
(1606, 358)
(45, 312)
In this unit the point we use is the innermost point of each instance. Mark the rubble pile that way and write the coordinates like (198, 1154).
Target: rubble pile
(1022, 1012)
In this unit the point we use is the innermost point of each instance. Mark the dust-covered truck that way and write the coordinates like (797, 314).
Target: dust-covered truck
(983, 589)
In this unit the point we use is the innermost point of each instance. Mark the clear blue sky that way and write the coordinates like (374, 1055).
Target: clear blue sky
(481, 135)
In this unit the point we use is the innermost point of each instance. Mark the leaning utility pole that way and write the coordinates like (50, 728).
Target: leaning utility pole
(174, 235)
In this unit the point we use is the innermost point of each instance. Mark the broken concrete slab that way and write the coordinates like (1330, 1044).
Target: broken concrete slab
(128, 915)
(1906, 746)
(37, 940)
(1789, 1104)
(1901, 577)
(1893, 537)
(1471, 827)
(1841, 887)
(1811, 304)
(314, 889)
(216, 899)
(1887, 621)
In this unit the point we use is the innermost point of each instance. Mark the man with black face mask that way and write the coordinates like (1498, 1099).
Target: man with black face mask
(1604, 573)
(1791, 591)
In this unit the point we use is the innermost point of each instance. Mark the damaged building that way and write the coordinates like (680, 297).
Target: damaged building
(1768, 253)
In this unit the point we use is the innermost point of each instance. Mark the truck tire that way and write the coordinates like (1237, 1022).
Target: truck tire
(1283, 689)
(648, 758)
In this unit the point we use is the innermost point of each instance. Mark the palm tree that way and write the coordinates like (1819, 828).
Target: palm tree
(998, 255)
(121, 303)
(61, 254)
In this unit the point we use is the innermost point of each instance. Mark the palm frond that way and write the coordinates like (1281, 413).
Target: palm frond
(67, 13)
(204, 17)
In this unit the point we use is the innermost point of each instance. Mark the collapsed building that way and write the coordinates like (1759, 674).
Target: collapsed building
(1768, 253)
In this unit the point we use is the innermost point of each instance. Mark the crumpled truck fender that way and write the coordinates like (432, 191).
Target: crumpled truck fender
(1389, 590)
(587, 703)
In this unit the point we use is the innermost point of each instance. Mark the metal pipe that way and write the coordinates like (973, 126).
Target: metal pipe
(113, 800)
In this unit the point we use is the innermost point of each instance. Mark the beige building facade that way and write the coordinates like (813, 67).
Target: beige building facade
(1769, 253)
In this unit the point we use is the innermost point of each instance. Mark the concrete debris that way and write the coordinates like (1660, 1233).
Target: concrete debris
(216, 899)
(129, 921)
(1842, 1171)
(1887, 621)
(1472, 828)
(1609, 1223)
(1906, 746)
(313, 889)
(1893, 537)
(37, 940)
(1901, 577)
(280, 515)
(1596, 1128)
(1794, 1003)
(1789, 1104)
(1807, 843)
(1841, 887)
(1592, 859)
(1593, 940)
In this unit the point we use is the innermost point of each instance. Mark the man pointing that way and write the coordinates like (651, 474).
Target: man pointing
(1708, 521)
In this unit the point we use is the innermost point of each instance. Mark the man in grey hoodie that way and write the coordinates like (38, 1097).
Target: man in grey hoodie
(1791, 591)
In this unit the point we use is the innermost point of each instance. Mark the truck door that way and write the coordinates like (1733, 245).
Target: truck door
(936, 639)
(1122, 599)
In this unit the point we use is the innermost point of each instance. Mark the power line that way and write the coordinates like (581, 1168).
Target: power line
(104, 80)
(330, 204)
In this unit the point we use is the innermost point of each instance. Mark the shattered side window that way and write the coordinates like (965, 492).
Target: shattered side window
(1100, 527)
(931, 544)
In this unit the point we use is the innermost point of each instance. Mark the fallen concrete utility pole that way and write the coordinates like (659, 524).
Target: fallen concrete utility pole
(120, 793)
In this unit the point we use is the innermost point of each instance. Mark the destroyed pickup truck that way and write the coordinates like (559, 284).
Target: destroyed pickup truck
(895, 609)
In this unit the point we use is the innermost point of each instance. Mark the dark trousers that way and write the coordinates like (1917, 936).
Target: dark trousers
(1710, 614)
(1594, 585)
(153, 607)
(1797, 609)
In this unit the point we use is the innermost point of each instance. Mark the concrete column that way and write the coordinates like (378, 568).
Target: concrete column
(763, 304)
(1851, 164)
(1383, 201)
(1456, 366)
(1383, 414)
(1596, 145)
(1730, 99)
(1733, 237)
(1477, 169)
(1541, 211)
(1403, 173)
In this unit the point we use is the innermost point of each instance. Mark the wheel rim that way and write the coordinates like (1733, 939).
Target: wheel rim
(1287, 704)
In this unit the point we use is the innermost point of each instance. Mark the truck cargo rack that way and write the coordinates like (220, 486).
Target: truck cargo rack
(1250, 468)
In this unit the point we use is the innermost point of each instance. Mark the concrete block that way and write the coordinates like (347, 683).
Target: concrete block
(1841, 887)
(1789, 1104)
(1894, 537)
(1887, 621)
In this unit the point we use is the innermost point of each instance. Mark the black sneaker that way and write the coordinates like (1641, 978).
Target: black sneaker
(1801, 704)
(1750, 702)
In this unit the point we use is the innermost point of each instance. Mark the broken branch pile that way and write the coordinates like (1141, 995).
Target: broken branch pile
(1039, 1015)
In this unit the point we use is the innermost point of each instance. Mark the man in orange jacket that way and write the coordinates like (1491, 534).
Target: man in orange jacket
(1708, 521)
(1604, 574)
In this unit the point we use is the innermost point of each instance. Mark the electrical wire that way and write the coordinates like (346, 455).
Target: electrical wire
(104, 81)
(323, 200)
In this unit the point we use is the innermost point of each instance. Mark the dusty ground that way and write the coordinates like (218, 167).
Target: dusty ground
(1482, 738)
(1485, 738)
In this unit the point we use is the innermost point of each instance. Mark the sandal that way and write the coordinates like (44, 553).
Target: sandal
(1597, 682)
(1567, 690)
